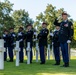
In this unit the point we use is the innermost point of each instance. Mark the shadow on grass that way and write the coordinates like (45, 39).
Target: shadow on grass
(37, 69)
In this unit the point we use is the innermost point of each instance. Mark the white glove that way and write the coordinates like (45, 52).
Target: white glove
(4, 35)
(35, 33)
(52, 43)
(68, 41)
(35, 40)
(14, 35)
(21, 40)
(19, 34)
(51, 34)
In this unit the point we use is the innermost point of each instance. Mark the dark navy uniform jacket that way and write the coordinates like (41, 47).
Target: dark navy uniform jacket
(42, 36)
(29, 37)
(11, 40)
(20, 38)
(6, 38)
(66, 31)
(55, 39)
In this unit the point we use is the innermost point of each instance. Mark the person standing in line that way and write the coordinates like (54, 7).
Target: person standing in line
(6, 38)
(65, 37)
(20, 38)
(42, 37)
(29, 38)
(11, 43)
(56, 44)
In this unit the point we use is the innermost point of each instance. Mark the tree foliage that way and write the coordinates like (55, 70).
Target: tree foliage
(5, 15)
(48, 16)
(10, 18)
(21, 18)
(75, 30)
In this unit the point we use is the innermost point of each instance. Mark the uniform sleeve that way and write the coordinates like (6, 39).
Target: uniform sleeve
(54, 37)
(17, 37)
(71, 31)
(56, 23)
(13, 35)
(29, 34)
(43, 34)
(51, 37)
(23, 36)
(39, 35)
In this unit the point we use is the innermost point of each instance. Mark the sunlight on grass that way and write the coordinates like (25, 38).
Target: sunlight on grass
(52, 74)
(37, 69)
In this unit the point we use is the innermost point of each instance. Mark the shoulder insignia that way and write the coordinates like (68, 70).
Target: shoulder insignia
(72, 27)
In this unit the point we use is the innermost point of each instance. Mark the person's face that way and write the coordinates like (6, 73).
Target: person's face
(29, 28)
(20, 30)
(6, 32)
(44, 26)
(64, 17)
(57, 28)
(11, 30)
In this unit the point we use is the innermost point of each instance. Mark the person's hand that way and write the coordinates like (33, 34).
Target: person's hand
(51, 34)
(52, 43)
(35, 33)
(20, 40)
(68, 41)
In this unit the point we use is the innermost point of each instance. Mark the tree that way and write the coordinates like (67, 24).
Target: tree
(49, 16)
(73, 44)
(75, 30)
(21, 18)
(15, 19)
(5, 15)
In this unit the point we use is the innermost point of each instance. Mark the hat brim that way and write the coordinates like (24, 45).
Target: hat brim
(28, 26)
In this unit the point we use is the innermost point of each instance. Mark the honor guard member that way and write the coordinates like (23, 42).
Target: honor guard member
(56, 44)
(29, 38)
(20, 38)
(42, 36)
(11, 43)
(5, 37)
(65, 37)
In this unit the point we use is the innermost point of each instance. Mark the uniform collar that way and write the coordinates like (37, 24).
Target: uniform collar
(11, 32)
(65, 20)
(43, 28)
(29, 30)
(57, 30)
(20, 32)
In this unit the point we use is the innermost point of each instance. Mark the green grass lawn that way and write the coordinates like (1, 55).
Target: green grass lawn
(37, 69)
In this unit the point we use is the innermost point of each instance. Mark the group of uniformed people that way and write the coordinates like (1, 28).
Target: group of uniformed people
(61, 38)
(11, 37)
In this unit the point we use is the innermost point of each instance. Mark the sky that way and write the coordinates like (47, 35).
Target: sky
(34, 7)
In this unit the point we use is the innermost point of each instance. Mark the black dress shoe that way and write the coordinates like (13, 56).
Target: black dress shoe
(31, 62)
(42, 63)
(10, 61)
(5, 60)
(65, 65)
(21, 61)
(56, 64)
